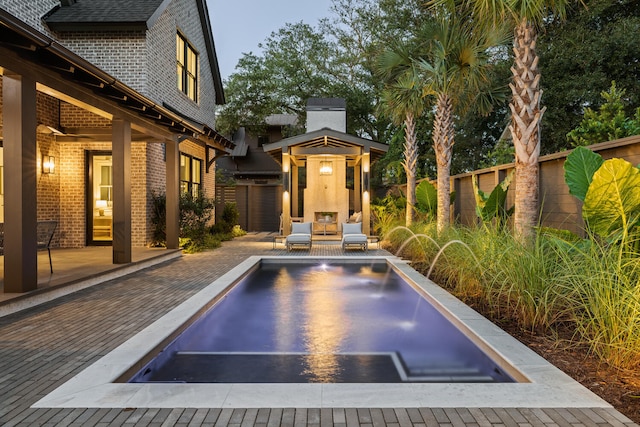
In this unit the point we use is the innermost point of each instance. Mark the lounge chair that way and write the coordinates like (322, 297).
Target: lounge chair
(352, 236)
(300, 235)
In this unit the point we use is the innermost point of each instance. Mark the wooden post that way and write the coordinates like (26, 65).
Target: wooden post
(366, 192)
(20, 166)
(172, 194)
(121, 149)
(286, 196)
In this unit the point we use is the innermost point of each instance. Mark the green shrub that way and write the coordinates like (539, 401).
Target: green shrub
(159, 219)
(195, 213)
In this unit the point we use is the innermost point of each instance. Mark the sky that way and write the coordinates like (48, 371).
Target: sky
(240, 25)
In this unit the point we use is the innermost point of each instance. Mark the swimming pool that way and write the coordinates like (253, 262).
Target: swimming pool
(323, 322)
(104, 383)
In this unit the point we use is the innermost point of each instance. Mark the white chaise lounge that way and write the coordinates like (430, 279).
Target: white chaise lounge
(352, 236)
(300, 235)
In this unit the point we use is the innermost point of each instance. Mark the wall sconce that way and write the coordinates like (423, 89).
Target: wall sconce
(326, 167)
(48, 164)
(285, 182)
(365, 181)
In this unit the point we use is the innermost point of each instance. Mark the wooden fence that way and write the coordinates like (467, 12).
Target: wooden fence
(558, 208)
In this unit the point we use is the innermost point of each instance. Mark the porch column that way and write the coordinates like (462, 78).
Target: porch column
(357, 188)
(173, 194)
(20, 163)
(294, 191)
(366, 192)
(286, 197)
(121, 150)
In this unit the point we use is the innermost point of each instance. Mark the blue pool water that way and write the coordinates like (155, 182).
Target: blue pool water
(322, 323)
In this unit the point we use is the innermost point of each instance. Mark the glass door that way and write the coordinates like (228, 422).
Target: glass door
(100, 200)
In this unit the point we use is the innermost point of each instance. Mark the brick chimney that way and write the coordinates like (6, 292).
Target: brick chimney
(326, 113)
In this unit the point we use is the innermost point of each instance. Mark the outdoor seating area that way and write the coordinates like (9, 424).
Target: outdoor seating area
(352, 237)
(45, 232)
(300, 235)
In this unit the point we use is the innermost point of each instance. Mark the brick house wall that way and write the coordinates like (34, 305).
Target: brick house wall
(48, 185)
(31, 12)
(208, 178)
(145, 61)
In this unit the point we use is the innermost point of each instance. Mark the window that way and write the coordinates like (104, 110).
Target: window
(187, 67)
(190, 175)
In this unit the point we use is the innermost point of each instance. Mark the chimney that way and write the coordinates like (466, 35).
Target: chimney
(326, 113)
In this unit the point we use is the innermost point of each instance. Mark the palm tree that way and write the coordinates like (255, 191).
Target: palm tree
(402, 101)
(457, 72)
(525, 16)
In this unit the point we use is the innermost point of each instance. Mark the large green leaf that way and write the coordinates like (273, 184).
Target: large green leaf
(579, 168)
(427, 197)
(492, 206)
(612, 203)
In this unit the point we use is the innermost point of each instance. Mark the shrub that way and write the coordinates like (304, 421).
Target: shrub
(159, 219)
(195, 213)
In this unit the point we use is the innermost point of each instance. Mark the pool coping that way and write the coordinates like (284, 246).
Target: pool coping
(94, 387)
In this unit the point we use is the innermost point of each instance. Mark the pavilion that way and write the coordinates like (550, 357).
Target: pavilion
(337, 167)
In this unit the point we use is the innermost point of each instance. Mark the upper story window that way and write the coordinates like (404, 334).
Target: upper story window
(187, 63)
(190, 175)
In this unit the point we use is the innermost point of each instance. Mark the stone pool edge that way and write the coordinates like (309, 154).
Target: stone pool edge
(94, 386)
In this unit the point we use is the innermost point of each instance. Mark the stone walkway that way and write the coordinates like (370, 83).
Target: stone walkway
(45, 346)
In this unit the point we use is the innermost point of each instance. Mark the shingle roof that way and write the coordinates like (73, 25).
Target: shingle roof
(141, 13)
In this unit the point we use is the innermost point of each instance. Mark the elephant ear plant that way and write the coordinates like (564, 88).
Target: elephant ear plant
(610, 192)
(427, 198)
(492, 206)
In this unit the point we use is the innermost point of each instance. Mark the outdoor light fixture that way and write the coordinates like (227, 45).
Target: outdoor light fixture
(365, 181)
(48, 164)
(285, 181)
(326, 167)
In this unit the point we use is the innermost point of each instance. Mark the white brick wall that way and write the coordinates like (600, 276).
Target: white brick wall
(30, 11)
(145, 62)
(161, 39)
(120, 54)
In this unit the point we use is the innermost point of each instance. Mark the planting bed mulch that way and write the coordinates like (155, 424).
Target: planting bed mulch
(620, 388)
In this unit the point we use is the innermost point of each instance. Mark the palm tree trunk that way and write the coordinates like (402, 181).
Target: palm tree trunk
(410, 163)
(525, 127)
(443, 139)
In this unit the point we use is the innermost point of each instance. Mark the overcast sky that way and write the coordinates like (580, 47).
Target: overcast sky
(239, 25)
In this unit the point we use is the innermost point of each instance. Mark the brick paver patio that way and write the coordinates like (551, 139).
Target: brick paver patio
(43, 347)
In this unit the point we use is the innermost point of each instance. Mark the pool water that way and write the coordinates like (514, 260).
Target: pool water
(322, 323)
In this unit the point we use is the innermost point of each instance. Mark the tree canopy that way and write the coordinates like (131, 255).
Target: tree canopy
(335, 57)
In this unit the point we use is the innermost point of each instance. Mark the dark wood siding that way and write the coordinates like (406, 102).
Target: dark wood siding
(259, 205)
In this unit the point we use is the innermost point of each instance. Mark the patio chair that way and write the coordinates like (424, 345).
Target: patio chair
(352, 236)
(300, 235)
(45, 232)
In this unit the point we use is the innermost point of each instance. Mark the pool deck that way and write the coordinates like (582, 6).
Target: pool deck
(44, 346)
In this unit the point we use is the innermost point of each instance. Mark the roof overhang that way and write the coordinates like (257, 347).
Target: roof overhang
(325, 142)
(20, 41)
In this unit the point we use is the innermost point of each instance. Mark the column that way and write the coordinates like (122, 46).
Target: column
(121, 150)
(357, 188)
(366, 192)
(286, 196)
(20, 165)
(295, 211)
(172, 194)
